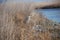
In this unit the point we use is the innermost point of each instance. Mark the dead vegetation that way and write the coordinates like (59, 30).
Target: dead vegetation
(19, 21)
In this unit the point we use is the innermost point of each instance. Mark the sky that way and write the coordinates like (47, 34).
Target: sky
(34, 0)
(0, 0)
(44, 0)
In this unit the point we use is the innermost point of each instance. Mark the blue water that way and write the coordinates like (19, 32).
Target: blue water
(51, 14)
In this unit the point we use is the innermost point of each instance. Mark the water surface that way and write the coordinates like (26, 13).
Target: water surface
(51, 14)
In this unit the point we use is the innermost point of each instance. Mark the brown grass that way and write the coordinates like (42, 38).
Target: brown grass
(15, 24)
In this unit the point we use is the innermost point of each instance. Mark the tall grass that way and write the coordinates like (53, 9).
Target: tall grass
(14, 25)
(8, 17)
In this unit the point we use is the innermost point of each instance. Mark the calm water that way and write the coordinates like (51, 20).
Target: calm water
(52, 14)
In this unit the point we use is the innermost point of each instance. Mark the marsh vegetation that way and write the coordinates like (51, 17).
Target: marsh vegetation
(20, 21)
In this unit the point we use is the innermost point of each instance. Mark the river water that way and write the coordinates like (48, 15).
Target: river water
(51, 14)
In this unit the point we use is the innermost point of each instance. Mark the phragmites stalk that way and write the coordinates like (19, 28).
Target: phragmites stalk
(20, 21)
